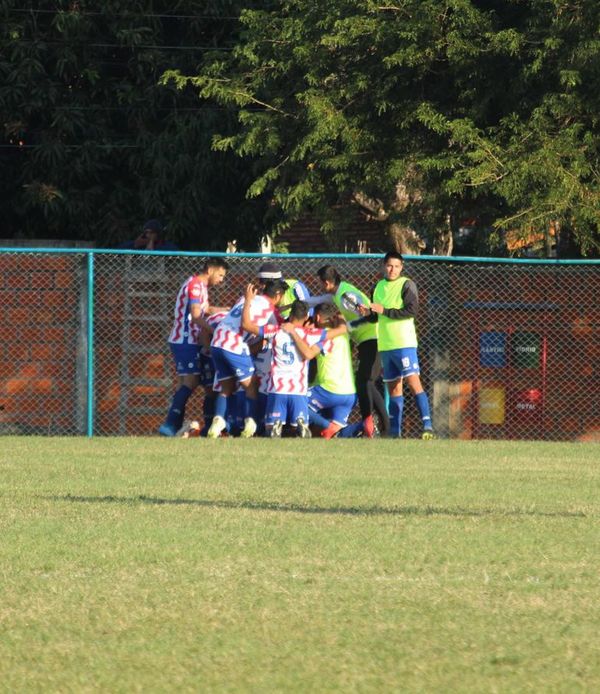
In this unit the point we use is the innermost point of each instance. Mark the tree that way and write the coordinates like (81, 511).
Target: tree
(93, 145)
(419, 111)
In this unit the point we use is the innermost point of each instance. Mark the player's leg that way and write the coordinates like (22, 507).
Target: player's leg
(422, 401)
(187, 364)
(298, 415)
(225, 375)
(370, 399)
(411, 373)
(261, 413)
(396, 407)
(273, 423)
(250, 385)
(207, 379)
(341, 407)
(316, 408)
(391, 361)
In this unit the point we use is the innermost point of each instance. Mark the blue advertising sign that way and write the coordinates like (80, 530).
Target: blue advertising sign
(492, 349)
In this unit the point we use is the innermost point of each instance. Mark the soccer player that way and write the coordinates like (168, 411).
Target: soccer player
(191, 305)
(334, 392)
(231, 353)
(262, 354)
(296, 289)
(394, 307)
(287, 400)
(347, 298)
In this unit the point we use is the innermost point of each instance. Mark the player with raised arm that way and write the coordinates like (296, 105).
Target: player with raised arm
(254, 315)
(191, 305)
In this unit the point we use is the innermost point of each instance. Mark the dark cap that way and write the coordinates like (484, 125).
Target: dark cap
(269, 271)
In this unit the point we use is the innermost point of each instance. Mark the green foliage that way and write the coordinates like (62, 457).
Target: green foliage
(485, 107)
(93, 144)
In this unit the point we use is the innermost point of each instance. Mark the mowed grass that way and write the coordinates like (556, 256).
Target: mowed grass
(250, 566)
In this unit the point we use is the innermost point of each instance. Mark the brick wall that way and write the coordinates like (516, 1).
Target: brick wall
(43, 347)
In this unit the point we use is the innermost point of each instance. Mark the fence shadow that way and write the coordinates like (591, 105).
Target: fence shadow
(317, 510)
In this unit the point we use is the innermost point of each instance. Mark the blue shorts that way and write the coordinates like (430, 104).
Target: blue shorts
(398, 363)
(337, 407)
(187, 359)
(286, 408)
(230, 365)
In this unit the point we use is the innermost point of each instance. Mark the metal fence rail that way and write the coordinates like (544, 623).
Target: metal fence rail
(508, 349)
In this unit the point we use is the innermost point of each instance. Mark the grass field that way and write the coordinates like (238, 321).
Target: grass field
(356, 566)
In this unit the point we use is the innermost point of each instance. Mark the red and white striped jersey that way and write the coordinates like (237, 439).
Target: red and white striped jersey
(213, 319)
(229, 334)
(192, 291)
(289, 370)
(262, 365)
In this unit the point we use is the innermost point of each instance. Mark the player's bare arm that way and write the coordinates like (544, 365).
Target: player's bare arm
(306, 351)
(332, 333)
(211, 310)
(247, 323)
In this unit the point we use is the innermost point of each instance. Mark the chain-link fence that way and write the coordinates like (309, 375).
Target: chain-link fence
(507, 349)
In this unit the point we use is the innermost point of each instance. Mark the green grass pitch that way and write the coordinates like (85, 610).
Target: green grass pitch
(343, 566)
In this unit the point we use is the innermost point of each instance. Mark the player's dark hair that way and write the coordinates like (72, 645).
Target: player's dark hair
(393, 254)
(298, 310)
(274, 287)
(329, 315)
(328, 273)
(215, 262)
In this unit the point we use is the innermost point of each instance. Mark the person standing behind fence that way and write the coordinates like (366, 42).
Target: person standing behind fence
(347, 298)
(192, 366)
(394, 306)
(150, 239)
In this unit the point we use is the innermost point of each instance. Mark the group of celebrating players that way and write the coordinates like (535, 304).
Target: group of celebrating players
(253, 359)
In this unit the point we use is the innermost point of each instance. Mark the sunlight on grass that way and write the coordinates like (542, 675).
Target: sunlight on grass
(145, 564)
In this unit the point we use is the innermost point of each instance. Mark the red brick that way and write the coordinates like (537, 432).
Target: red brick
(57, 262)
(58, 298)
(17, 316)
(143, 424)
(65, 280)
(16, 281)
(16, 385)
(43, 385)
(42, 352)
(15, 351)
(41, 280)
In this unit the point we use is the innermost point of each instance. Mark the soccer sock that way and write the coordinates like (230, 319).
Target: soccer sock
(350, 431)
(177, 409)
(208, 411)
(251, 407)
(316, 419)
(396, 409)
(220, 406)
(423, 406)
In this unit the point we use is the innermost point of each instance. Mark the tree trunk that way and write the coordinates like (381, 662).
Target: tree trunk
(443, 241)
(405, 240)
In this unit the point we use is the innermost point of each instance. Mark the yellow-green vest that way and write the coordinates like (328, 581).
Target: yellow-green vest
(393, 333)
(334, 369)
(366, 331)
